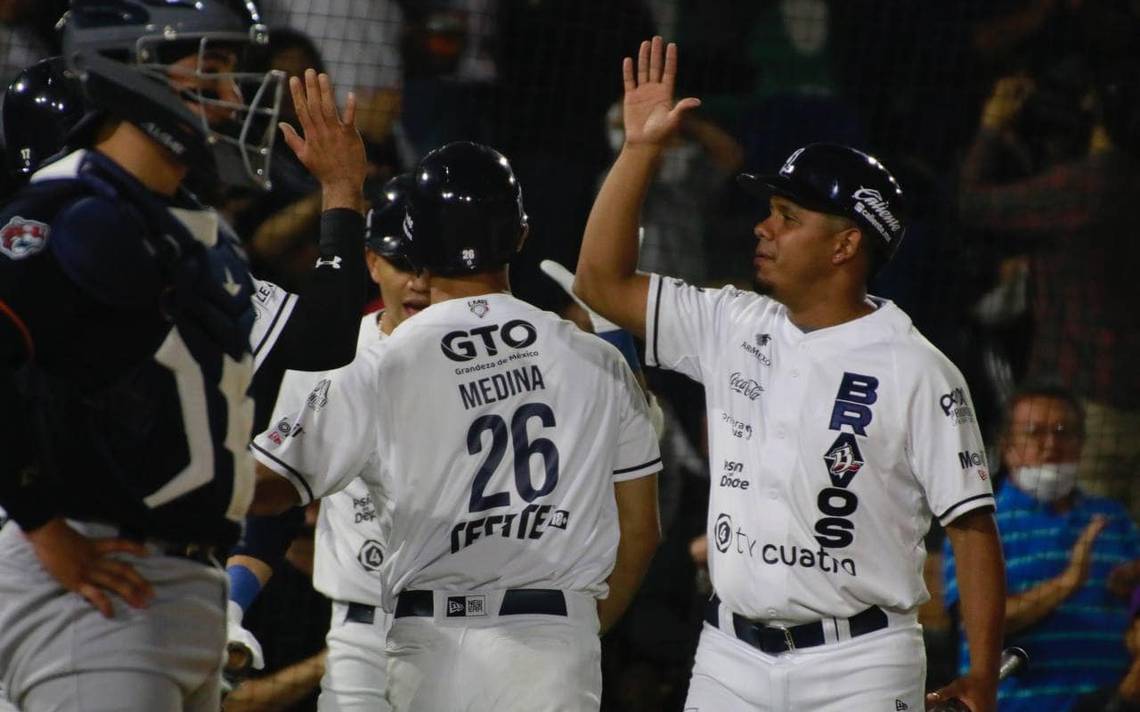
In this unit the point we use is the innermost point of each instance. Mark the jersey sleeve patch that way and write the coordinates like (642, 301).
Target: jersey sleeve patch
(21, 238)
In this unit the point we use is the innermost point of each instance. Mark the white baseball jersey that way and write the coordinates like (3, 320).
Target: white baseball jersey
(829, 450)
(350, 536)
(499, 430)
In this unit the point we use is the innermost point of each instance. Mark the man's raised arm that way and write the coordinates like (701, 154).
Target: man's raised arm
(607, 277)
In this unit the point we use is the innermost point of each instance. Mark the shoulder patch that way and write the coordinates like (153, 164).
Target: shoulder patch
(22, 238)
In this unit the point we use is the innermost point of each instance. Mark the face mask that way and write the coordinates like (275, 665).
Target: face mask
(1048, 482)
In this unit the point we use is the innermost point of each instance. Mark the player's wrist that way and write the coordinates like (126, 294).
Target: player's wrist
(342, 194)
(643, 150)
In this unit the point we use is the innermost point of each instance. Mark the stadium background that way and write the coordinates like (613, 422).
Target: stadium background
(907, 81)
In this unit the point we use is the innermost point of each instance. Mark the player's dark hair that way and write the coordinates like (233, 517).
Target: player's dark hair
(1052, 391)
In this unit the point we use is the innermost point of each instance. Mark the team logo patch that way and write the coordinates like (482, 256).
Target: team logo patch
(22, 238)
(746, 387)
(955, 406)
(319, 396)
(464, 606)
(479, 307)
(722, 532)
(371, 555)
(844, 459)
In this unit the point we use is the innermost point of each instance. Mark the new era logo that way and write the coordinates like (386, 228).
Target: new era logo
(463, 606)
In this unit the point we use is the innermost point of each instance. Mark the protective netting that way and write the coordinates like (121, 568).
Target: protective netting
(1014, 129)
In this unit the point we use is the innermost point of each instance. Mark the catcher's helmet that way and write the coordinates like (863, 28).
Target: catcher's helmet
(839, 180)
(41, 107)
(384, 225)
(465, 210)
(124, 51)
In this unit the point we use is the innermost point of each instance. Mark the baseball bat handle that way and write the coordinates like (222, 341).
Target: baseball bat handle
(1013, 661)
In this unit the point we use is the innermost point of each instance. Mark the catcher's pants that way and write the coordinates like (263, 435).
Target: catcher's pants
(883, 670)
(356, 669)
(59, 654)
(479, 660)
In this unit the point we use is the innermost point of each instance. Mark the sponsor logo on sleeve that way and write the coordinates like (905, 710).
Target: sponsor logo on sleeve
(22, 238)
(970, 460)
(956, 407)
(319, 397)
(264, 292)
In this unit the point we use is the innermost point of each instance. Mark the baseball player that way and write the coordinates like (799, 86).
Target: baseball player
(134, 447)
(350, 541)
(516, 453)
(836, 432)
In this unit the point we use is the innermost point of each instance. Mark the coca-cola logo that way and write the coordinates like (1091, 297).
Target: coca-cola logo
(746, 387)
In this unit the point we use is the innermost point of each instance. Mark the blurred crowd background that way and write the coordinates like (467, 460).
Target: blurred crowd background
(1012, 125)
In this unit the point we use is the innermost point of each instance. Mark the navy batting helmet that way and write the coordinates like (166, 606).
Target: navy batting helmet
(384, 226)
(839, 180)
(41, 107)
(465, 211)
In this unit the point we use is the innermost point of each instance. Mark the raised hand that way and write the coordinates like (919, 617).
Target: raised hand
(650, 115)
(1080, 559)
(331, 147)
(84, 566)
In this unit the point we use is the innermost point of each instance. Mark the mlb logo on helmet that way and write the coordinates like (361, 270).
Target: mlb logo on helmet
(22, 238)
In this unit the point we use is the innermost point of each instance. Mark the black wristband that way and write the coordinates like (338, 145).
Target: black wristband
(342, 231)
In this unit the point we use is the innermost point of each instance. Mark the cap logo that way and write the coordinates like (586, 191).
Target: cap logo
(870, 204)
(408, 224)
(790, 164)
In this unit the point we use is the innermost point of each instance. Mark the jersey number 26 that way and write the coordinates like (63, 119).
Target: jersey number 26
(524, 450)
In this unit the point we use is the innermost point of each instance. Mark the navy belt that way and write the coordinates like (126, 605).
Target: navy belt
(516, 601)
(776, 639)
(360, 613)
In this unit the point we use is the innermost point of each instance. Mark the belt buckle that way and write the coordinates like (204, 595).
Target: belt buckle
(788, 640)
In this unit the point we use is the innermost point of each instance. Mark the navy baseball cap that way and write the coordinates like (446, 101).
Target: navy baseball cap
(838, 180)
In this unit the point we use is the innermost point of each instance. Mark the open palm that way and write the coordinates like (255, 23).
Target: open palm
(649, 112)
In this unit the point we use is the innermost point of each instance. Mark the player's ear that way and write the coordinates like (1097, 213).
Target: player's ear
(846, 243)
(372, 261)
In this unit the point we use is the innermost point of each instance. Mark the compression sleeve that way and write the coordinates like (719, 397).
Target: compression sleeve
(321, 332)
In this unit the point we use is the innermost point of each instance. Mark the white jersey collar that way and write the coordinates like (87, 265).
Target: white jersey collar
(885, 320)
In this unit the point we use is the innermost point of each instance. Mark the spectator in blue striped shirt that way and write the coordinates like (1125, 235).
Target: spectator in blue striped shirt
(1071, 560)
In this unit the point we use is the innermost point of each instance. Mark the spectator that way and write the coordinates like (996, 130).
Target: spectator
(1124, 697)
(1070, 559)
(1075, 219)
(359, 40)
